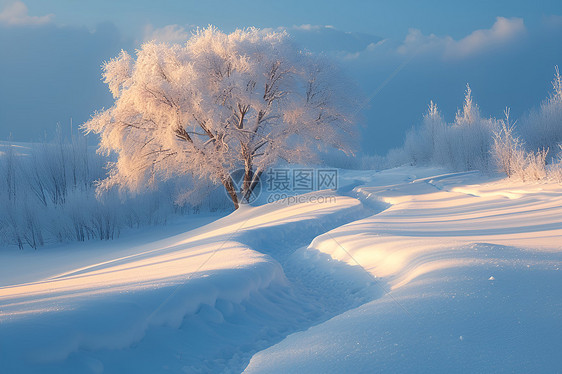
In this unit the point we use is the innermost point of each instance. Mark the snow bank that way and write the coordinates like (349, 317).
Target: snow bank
(470, 277)
(199, 301)
(111, 306)
(406, 270)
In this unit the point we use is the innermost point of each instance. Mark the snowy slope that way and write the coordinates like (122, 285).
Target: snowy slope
(400, 271)
(200, 301)
(471, 278)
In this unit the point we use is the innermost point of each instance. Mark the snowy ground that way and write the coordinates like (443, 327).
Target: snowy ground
(399, 271)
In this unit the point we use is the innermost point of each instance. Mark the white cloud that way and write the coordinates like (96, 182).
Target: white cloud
(369, 49)
(166, 34)
(16, 14)
(317, 38)
(306, 27)
(353, 46)
(503, 32)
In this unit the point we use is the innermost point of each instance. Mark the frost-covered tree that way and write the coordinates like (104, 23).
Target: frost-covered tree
(507, 150)
(421, 145)
(471, 136)
(218, 103)
(461, 145)
(511, 157)
(542, 128)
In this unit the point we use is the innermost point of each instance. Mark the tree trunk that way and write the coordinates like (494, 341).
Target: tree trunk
(248, 175)
(229, 186)
(251, 179)
(254, 182)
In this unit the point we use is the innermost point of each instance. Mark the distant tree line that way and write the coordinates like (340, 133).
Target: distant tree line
(527, 150)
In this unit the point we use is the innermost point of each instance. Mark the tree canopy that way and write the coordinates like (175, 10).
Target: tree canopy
(218, 103)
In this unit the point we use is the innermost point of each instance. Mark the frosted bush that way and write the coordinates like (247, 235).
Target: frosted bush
(555, 169)
(507, 150)
(48, 195)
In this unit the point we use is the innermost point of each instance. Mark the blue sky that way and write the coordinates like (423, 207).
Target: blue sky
(402, 53)
(390, 18)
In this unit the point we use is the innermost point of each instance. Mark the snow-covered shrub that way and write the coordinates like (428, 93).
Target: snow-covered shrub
(511, 157)
(398, 157)
(535, 165)
(373, 162)
(555, 169)
(507, 150)
(47, 194)
(542, 127)
(9, 170)
(12, 230)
